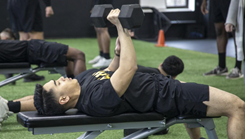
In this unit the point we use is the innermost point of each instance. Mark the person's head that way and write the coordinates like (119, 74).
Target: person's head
(56, 96)
(7, 34)
(172, 66)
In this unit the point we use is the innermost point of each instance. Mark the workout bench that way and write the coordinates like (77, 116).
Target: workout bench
(24, 69)
(74, 121)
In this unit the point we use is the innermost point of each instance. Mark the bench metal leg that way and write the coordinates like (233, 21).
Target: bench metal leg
(143, 133)
(15, 78)
(90, 135)
(54, 70)
(209, 126)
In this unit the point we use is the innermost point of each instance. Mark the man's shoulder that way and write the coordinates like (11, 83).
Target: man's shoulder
(147, 69)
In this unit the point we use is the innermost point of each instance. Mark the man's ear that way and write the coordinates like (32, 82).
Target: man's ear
(64, 99)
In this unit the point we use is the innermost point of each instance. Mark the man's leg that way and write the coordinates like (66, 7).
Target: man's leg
(194, 133)
(221, 39)
(103, 39)
(101, 55)
(23, 36)
(78, 57)
(236, 72)
(222, 103)
(36, 35)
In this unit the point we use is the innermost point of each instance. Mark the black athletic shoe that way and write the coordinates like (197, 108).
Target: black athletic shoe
(34, 77)
(10, 75)
(217, 71)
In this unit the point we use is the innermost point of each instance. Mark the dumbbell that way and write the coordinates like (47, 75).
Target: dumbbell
(131, 16)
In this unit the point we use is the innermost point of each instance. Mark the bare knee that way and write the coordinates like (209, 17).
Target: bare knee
(238, 107)
(80, 56)
(100, 30)
(219, 29)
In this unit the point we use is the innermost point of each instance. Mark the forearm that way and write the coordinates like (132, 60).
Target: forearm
(114, 64)
(127, 55)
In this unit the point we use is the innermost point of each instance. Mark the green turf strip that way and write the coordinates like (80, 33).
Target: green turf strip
(196, 63)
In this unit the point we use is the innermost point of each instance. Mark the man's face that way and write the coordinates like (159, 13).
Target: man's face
(62, 85)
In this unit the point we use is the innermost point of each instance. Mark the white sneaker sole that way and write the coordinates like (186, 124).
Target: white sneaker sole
(235, 77)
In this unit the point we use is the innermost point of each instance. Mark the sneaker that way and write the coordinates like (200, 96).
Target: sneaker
(102, 63)
(217, 71)
(235, 73)
(4, 110)
(8, 76)
(33, 77)
(95, 60)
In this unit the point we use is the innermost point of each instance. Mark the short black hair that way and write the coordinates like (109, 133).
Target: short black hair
(173, 65)
(45, 102)
(10, 33)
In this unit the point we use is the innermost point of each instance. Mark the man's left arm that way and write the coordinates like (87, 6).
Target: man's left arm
(115, 62)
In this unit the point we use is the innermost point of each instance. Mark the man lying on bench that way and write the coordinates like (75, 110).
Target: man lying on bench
(119, 89)
(39, 51)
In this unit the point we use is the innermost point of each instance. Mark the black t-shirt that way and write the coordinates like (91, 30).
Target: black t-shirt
(13, 51)
(147, 70)
(98, 98)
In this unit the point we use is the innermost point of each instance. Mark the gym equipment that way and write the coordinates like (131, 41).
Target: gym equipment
(24, 69)
(74, 121)
(131, 16)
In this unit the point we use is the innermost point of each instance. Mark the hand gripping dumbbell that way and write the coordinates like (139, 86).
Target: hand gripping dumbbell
(131, 16)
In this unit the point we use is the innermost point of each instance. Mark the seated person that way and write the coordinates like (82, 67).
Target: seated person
(171, 66)
(8, 34)
(119, 89)
(40, 51)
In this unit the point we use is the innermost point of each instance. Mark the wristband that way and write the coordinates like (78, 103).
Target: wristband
(116, 54)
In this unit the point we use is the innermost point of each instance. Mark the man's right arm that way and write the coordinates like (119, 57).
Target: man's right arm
(48, 10)
(204, 7)
(122, 77)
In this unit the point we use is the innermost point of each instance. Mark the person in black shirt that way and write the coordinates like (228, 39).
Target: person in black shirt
(119, 89)
(171, 66)
(103, 38)
(40, 51)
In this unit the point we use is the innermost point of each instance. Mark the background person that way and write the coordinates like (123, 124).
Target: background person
(103, 38)
(220, 13)
(235, 23)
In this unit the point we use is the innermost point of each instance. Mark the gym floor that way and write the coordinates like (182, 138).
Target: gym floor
(203, 45)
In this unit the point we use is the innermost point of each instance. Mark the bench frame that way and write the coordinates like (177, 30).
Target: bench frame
(28, 70)
(92, 130)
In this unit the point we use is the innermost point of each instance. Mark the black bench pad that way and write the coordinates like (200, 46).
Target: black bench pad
(31, 119)
(15, 65)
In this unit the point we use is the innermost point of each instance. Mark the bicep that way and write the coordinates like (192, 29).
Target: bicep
(120, 81)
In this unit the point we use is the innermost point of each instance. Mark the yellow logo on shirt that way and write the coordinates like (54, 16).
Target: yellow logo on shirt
(101, 75)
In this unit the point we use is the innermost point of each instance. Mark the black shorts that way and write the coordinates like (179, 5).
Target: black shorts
(13, 51)
(25, 15)
(40, 51)
(183, 99)
(220, 10)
